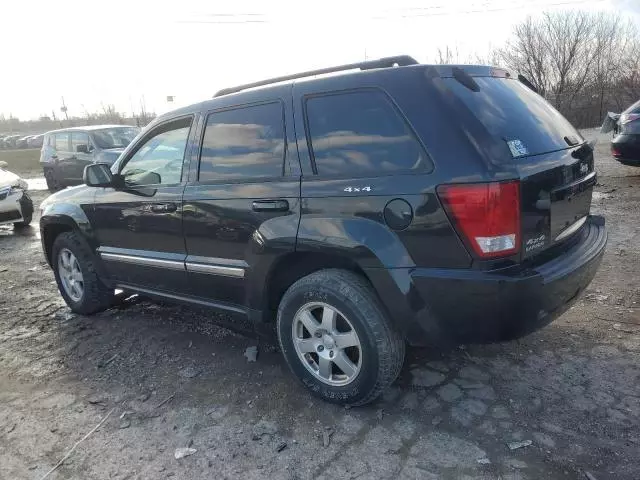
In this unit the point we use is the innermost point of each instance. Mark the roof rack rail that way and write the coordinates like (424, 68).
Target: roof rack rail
(387, 62)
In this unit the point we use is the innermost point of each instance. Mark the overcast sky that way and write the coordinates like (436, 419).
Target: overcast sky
(117, 52)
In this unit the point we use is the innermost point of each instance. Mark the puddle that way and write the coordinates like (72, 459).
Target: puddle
(37, 183)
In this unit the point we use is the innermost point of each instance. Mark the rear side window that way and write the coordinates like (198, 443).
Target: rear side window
(243, 143)
(361, 133)
(518, 115)
(62, 142)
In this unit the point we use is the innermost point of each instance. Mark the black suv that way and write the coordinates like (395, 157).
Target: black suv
(355, 212)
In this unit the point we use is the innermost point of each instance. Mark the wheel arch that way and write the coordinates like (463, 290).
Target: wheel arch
(293, 266)
(59, 218)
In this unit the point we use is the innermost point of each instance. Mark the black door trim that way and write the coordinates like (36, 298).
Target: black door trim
(183, 298)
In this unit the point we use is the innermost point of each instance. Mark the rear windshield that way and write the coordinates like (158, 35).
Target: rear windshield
(114, 137)
(518, 115)
(635, 108)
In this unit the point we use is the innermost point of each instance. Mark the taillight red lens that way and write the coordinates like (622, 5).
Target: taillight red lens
(615, 152)
(487, 215)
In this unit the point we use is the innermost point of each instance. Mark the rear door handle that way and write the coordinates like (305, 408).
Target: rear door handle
(164, 207)
(270, 206)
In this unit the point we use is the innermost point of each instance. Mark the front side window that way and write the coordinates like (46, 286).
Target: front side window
(159, 159)
(243, 143)
(62, 142)
(79, 138)
(361, 133)
(118, 137)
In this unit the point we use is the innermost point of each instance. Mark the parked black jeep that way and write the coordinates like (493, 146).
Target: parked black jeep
(357, 212)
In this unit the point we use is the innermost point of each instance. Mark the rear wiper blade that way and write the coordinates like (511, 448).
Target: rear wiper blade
(525, 81)
(465, 79)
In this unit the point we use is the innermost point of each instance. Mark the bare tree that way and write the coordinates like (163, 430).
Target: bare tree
(447, 56)
(577, 60)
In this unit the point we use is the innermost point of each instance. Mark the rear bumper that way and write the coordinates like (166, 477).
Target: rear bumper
(626, 148)
(476, 306)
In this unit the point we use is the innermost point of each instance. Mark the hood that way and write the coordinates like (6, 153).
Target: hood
(8, 179)
(77, 192)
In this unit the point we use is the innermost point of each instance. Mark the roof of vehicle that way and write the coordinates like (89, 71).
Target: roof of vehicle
(384, 66)
(88, 128)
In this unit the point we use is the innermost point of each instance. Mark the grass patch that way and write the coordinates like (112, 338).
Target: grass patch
(22, 162)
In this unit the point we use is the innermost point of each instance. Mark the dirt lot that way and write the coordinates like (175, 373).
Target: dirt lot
(170, 378)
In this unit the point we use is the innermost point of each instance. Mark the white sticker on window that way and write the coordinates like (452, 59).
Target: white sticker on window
(517, 148)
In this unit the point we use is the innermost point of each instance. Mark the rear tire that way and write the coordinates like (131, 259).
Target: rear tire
(363, 350)
(78, 281)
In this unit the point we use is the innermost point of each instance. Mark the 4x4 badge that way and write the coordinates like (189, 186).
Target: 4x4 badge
(358, 189)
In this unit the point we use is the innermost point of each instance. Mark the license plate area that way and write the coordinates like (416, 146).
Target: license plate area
(570, 203)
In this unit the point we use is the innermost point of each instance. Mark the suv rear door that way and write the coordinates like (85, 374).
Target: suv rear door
(80, 146)
(241, 207)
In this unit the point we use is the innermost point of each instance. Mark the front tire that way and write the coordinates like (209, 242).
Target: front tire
(337, 339)
(74, 268)
(26, 221)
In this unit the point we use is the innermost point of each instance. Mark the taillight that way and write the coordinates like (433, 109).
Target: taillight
(487, 215)
(615, 152)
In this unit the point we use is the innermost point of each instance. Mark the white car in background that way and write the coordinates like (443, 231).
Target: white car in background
(15, 204)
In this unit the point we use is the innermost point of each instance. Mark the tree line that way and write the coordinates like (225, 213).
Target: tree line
(108, 115)
(584, 63)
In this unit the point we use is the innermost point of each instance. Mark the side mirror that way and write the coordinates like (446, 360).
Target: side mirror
(82, 148)
(3, 164)
(98, 175)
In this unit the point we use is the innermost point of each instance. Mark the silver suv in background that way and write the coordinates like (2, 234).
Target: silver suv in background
(67, 151)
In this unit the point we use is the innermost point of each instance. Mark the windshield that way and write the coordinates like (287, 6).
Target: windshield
(114, 137)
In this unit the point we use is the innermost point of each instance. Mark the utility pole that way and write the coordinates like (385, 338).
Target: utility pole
(63, 109)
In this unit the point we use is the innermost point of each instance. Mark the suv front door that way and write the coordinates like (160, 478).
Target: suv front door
(139, 224)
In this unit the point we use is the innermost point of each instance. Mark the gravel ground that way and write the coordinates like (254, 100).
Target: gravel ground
(563, 402)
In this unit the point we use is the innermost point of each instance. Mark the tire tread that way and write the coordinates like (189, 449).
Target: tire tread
(389, 342)
(97, 296)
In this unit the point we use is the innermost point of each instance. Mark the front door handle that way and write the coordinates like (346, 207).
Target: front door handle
(270, 206)
(163, 207)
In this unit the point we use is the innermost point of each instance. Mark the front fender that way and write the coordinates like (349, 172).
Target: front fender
(67, 210)
(370, 244)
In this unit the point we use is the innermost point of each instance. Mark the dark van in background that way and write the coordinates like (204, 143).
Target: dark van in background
(66, 152)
